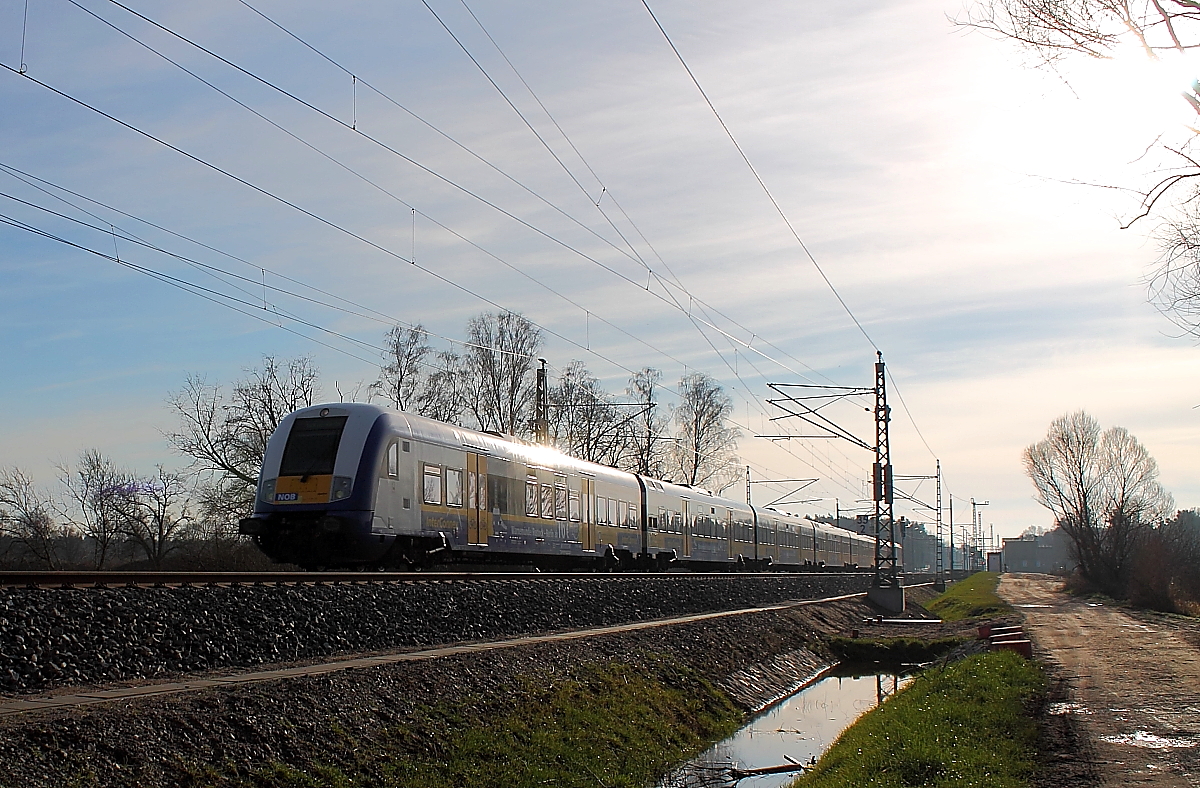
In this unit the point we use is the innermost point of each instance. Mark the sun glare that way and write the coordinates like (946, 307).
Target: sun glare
(1107, 122)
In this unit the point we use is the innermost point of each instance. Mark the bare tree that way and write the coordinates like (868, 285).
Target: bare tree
(646, 434)
(1103, 490)
(400, 377)
(497, 371)
(705, 454)
(92, 502)
(227, 437)
(1055, 29)
(441, 395)
(585, 422)
(26, 518)
(156, 514)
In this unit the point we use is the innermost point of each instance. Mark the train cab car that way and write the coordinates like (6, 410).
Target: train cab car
(314, 502)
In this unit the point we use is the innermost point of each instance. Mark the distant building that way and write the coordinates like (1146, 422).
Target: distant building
(1049, 552)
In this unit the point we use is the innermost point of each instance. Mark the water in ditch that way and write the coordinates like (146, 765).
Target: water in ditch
(797, 729)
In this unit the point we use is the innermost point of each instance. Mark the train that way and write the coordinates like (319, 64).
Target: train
(355, 485)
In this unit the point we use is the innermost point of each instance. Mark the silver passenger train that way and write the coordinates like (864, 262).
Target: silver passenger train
(355, 485)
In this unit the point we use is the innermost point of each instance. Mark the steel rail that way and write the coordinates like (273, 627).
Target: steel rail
(116, 579)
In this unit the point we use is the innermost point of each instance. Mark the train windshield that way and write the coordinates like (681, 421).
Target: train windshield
(312, 446)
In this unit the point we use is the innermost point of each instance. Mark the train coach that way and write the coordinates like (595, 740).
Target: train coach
(357, 485)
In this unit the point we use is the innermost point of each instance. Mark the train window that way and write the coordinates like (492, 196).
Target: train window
(548, 501)
(312, 446)
(454, 487)
(531, 497)
(433, 484)
(406, 446)
(560, 497)
(393, 461)
(623, 514)
(633, 516)
(574, 506)
(483, 497)
(472, 495)
(664, 519)
(602, 511)
(498, 492)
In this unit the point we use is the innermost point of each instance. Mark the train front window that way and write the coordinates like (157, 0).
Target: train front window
(312, 446)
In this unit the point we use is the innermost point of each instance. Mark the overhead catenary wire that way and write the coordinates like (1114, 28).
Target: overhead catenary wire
(757, 177)
(128, 236)
(493, 304)
(751, 398)
(267, 83)
(691, 297)
(775, 203)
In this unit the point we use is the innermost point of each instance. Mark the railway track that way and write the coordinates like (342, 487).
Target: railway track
(142, 579)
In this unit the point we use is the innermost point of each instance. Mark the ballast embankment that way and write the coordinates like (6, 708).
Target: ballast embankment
(78, 637)
(363, 721)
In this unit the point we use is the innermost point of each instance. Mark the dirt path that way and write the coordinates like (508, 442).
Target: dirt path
(1132, 686)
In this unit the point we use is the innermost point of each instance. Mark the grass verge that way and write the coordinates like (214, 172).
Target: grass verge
(966, 724)
(974, 597)
(612, 724)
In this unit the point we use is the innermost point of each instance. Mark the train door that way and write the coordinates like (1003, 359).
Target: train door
(479, 522)
(687, 528)
(587, 517)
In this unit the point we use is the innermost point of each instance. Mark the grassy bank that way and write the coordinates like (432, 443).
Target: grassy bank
(974, 597)
(612, 725)
(966, 724)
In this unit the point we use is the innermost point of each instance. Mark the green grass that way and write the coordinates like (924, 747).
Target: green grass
(974, 597)
(891, 651)
(964, 725)
(614, 725)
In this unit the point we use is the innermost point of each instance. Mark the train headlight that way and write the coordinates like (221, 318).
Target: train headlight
(266, 490)
(340, 488)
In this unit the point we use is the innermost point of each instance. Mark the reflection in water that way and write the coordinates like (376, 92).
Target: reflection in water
(797, 730)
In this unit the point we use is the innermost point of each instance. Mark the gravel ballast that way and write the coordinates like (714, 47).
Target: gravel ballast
(69, 637)
(349, 719)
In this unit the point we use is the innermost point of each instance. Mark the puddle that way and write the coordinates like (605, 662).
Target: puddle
(1032, 605)
(1067, 708)
(798, 729)
(1149, 741)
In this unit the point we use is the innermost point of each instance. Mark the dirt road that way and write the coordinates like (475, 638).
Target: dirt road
(1132, 686)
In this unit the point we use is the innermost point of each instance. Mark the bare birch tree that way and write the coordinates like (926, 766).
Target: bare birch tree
(400, 376)
(647, 442)
(226, 436)
(1103, 490)
(585, 421)
(156, 514)
(1053, 30)
(92, 502)
(705, 455)
(497, 371)
(26, 517)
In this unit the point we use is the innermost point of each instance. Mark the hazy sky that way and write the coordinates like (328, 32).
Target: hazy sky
(929, 172)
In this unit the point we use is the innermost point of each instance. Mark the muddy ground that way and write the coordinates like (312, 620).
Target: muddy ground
(1124, 707)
